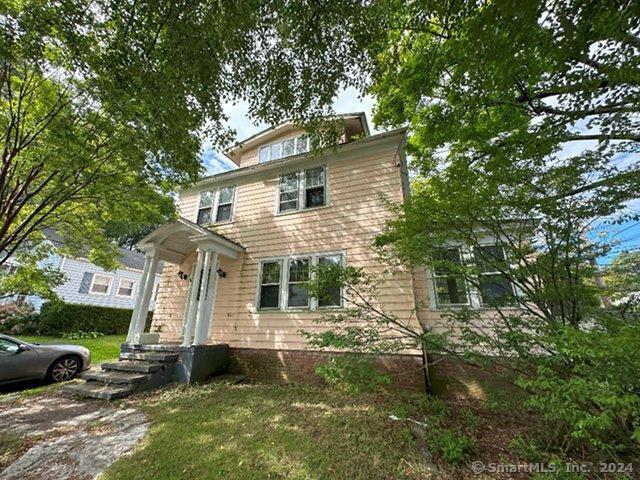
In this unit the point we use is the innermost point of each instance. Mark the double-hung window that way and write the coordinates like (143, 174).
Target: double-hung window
(494, 286)
(100, 284)
(216, 206)
(450, 286)
(270, 278)
(281, 283)
(284, 148)
(125, 288)
(302, 190)
(298, 297)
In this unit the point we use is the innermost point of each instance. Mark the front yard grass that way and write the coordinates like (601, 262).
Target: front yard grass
(269, 431)
(102, 348)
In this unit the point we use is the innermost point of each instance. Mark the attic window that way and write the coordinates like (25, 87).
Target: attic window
(284, 148)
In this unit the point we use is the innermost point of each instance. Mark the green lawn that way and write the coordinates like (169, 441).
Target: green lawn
(264, 431)
(102, 348)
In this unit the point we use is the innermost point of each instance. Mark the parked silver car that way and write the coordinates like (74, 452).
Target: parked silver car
(31, 361)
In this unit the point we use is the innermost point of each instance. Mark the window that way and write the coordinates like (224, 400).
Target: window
(270, 285)
(288, 196)
(100, 284)
(332, 296)
(125, 288)
(298, 273)
(495, 287)
(314, 188)
(281, 283)
(204, 210)
(225, 203)
(284, 148)
(7, 346)
(216, 204)
(450, 288)
(302, 190)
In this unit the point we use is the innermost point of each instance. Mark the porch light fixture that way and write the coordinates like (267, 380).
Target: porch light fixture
(182, 275)
(221, 273)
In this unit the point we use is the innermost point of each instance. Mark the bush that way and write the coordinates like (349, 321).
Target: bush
(82, 335)
(57, 319)
(18, 319)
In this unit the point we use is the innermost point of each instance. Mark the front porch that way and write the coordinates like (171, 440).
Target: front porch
(145, 362)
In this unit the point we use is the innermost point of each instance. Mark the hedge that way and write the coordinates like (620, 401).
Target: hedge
(58, 318)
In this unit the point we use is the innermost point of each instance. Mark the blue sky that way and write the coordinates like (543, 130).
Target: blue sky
(625, 236)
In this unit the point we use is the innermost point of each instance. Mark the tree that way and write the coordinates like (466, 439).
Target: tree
(104, 105)
(622, 281)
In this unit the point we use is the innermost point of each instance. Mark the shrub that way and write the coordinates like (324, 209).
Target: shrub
(453, 447)
(17, 319)
(57, 319)
(81, 335)
(352, 373)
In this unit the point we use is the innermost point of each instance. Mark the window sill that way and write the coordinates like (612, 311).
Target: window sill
(99, 294)
(226, 222)
(291, 212)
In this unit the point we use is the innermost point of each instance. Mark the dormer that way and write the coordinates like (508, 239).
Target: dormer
(287, 139)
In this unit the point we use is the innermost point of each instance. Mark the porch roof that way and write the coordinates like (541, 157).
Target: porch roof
(176, 239)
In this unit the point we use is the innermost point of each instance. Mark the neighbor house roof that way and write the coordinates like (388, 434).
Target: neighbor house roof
(128, 258)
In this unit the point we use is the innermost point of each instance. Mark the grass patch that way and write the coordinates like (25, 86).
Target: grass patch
(102, 348)
(269, 431)
(12, 446)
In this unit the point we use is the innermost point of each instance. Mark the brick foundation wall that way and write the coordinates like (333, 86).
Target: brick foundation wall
(454, 378)
(266, 365)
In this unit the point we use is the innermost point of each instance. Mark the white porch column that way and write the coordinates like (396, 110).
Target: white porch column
(141, 309)
(192, 302)
(136, 307)
(207, 297)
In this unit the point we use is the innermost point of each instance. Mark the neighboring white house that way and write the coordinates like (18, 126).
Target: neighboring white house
(90, 284)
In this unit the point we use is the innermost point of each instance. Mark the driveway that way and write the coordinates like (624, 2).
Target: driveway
(57, 437)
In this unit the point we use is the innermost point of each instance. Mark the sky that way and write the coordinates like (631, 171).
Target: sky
(625, 236)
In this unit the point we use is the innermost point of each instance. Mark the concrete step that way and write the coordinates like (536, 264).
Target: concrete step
(98, 390)
(133, 366)
(158, 347)
(114, 377)
(150, 357)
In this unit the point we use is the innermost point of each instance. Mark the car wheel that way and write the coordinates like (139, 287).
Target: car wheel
(64, 369)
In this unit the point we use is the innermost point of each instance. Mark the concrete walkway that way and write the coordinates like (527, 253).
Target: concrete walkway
(69, 438)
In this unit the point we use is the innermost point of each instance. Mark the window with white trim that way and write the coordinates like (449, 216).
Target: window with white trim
(297, 295)
(490, 287)
(494, 286)
(284, 148)
(270, 277)
(302, 190)
(216, 206)
(281, 280)
(100, 284)
(125, 288)
(450, 287)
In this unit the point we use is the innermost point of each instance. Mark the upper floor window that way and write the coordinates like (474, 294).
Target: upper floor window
(281, 285)
(125, 288)
(100, 284)
(302, 190)
(216, 206)
(284, 148)
(494, 286)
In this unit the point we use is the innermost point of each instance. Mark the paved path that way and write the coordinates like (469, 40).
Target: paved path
(71, 439)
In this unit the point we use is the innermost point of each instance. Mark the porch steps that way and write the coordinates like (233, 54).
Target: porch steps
(136, 371)
(98, 390)
(150, 357)
(133, 366)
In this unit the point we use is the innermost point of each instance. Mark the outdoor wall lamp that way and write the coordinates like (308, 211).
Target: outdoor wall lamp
(182, 275)
(221, 273)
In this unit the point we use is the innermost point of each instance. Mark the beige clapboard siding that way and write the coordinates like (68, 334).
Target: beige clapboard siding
(355, 216)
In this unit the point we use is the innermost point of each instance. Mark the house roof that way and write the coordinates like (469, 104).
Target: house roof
(128, 258)
(265, 134)
(259, 167)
